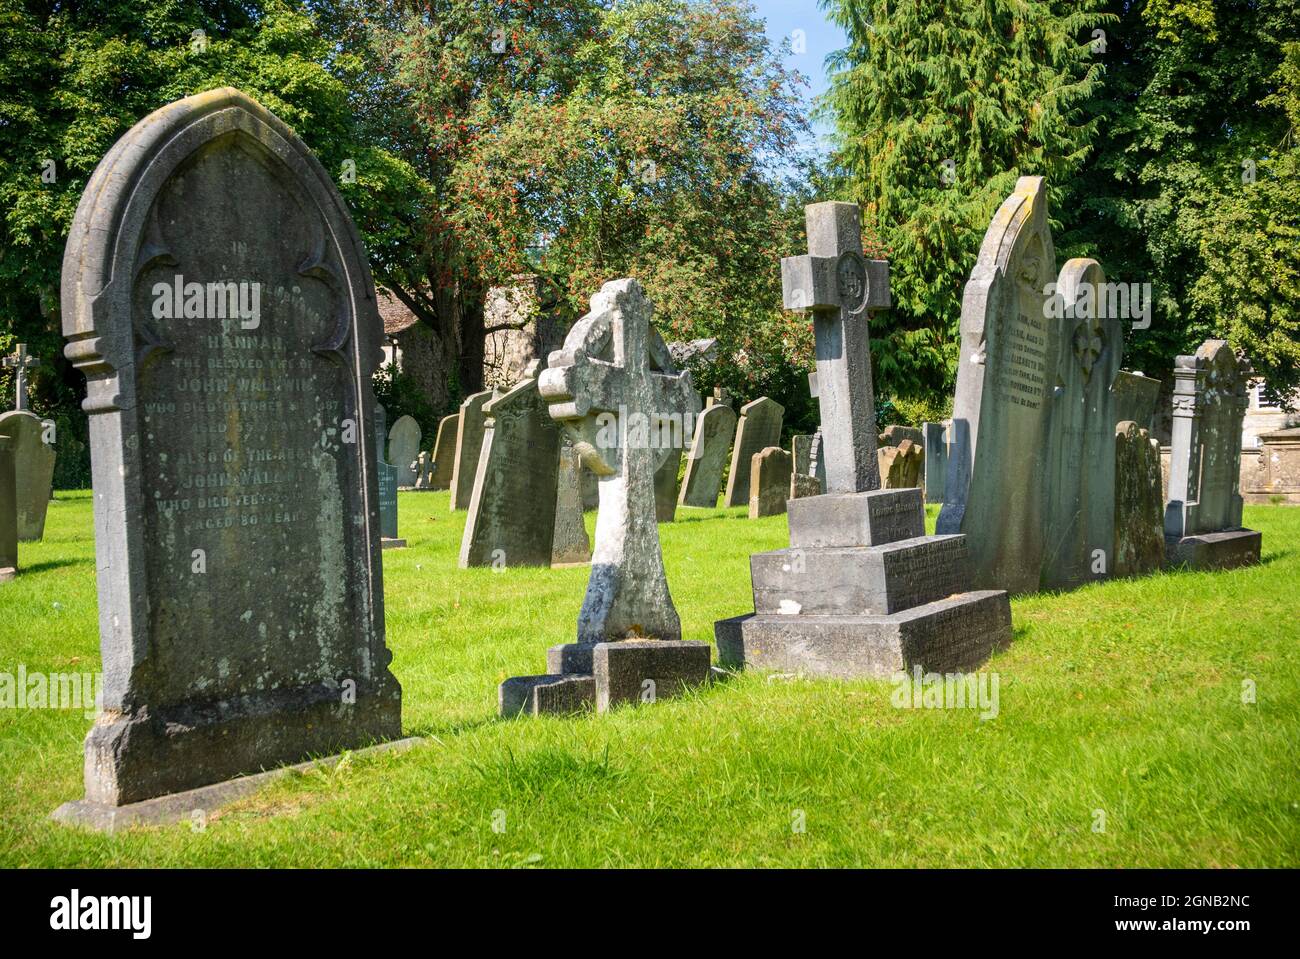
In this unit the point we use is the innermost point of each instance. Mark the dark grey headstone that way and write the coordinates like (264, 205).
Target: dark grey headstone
(403, 448)
(936, 460)
(1136, 398)
(666, 485)
(8, 513)
(570, 544)
(33, 471)
(759, 428)
(386, 475)
(236, 502)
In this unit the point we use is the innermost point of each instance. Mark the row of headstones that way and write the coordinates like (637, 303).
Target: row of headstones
(26, 470)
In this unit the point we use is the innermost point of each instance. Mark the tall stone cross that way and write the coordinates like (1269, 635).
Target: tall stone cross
(842, 289)
(615, 390)
(20, 361)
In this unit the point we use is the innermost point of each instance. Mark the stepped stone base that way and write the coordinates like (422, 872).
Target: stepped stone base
(1226, 549)
(951, 635)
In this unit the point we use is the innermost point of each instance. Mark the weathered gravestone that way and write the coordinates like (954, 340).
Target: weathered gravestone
(403, 448)
(20, 362)
(570, 545)
(386, 477)
(469, 446)
(512, 509)
(894, 436)
(817, 459)
(1079, 505)
(1005, 382)
(33, 470)
(8, 513)
(217, 297)
(936, 460)
(714, 430)
(801, 453)
(1139, 502)
(666, 484)
(611, 387)
(1136, 397)
(862, 591)
(759, 428)
(423, 473)
(1203, 516)
(1276, 477)
(444, 452)
(769, 482)
(802, 481)
(901, 466)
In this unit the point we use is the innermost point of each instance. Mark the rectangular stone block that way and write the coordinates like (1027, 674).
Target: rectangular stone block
(569, 658)
(952, 635)
(860, 580)
(545, 695)
(857, 519)
(636, 671)
(1227, 549)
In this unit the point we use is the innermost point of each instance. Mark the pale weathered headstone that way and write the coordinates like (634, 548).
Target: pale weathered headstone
(469, 445)
(444, 452)
(894, 436)
(33, 470)
(1139, 502)
(614, 387)
(217, 297)
(902, 466)
(769, 482)
(1203, 515)
(862, 591)
(714, 430)
(403, 448)
(721, 396)
(512, 509)
(8, 513)
(936, 460)
(801, 453)
(386, 477)
(817, 458)
(1005, 382)
(1136, 397)
(1079, 503)
(759, 428)
(570, 545)
(20, 362)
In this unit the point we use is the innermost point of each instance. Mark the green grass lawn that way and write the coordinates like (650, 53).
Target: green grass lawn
(1124, 697)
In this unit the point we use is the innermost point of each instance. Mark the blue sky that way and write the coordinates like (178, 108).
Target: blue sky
(821, 36)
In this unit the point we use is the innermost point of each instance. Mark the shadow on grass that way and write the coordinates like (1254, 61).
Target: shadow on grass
(53, 564)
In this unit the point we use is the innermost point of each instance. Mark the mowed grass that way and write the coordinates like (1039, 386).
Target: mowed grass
(1124, 697)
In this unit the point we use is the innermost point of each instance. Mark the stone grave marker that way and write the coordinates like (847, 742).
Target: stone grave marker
(570, 545)
(217, 297)
(386, 476)
(1203, 515)
(423, 473)
(512, 509)
(666, 485)
(1005, 383)
(403, 448)
(8, 512)
(862, 591)
(33, 470)
(20, 362)
(469, 446)
(1136, 398)
(1139, 502)
(902, 466)
(759, 428)
(611, 386)
(714, 430)
(1079, 504)
(769, 483)
(444, 452)
(936, 460)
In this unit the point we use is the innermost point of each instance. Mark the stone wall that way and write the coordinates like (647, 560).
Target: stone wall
(506, 353)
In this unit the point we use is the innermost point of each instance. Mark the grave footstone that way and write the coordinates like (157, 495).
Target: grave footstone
(611, 385)
(862, 591)
(759, 428)
(33, 470)
(1079, 470)
(217, 297)
(512, 509)
(769, 482)
(403, 448)
(469, 446)
(1136, 398)
(1203, 515)
(8, 512)
(1005, 383)
(570, 546)
(386, 477)
(936, 460)
(1139, 502)
(444, 452)
(714, 430)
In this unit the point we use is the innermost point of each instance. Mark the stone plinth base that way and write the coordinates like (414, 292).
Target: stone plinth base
(7, 573)
(603, 675)
(1226, 549)
(951, 635)
(387, 543)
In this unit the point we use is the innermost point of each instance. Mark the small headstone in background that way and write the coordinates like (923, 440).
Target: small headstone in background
(386, 474)
(801, 451)
(902, 466)
(423, 472)
(1203, 516)
(8, 512)
(769, 483)
(1136, 397)
(714, 430)
(721, 396)
(589, 487)
(759, 428)
(894, 436)
(444, 452)
(469, 445)
(20, 362)
(1139, 505)
(403, 448)
(936, 460)
(570, 546)
(666, 485)
(33, 470)
(802, 485)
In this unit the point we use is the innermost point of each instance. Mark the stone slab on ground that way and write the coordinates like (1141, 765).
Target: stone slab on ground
(1225, 549)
